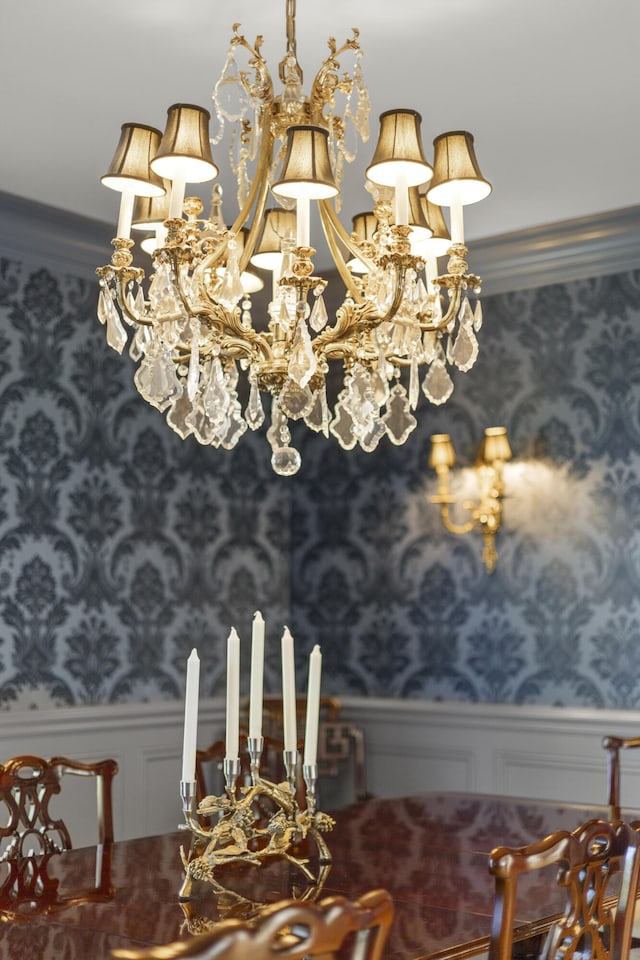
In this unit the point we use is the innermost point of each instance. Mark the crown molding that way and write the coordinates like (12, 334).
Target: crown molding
(593, 246)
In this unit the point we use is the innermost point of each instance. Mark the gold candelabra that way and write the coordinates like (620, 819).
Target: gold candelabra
(242, 832)
(486, 513)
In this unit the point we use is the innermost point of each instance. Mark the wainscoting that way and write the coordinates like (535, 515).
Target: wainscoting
(412, 747)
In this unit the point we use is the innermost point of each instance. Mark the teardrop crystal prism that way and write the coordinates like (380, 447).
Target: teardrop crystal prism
(319, 417)
(254, 413)
(116, 334)
(319, 317)
(302, 360)
(177, 416)
(465, 349)
(437, 386)
(398, 419)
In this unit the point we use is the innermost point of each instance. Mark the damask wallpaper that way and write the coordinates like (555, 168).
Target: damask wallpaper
(121, 546)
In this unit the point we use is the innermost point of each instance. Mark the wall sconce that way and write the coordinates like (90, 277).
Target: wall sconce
(486, 515)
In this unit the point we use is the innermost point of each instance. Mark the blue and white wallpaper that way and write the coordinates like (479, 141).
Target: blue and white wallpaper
(121, 546)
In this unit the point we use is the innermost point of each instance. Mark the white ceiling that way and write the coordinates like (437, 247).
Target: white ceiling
(550, 89)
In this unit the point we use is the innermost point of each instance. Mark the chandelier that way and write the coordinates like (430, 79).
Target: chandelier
(401, 326)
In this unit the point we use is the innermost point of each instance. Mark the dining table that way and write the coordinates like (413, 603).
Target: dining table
(429, 851)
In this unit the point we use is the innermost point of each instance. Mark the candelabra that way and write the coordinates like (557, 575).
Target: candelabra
(241, 832)
(192, 330)
(486, 514)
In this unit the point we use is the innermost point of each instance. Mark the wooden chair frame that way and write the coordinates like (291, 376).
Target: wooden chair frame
(613, 746)
(28, 783)
(587, 859)
(291, 929)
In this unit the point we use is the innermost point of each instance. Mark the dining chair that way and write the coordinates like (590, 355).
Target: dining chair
(27, 786)
(294, 929)
(613, 746)
(597, 920)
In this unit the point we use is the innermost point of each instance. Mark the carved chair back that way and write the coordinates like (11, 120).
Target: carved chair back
(27, 786)
(598, 917)
(293, 929)
(613, 746)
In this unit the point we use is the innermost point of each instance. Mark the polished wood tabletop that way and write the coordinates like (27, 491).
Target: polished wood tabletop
(430, 852)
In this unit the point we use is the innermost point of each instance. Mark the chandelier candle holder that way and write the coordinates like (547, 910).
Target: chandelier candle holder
(240, 832)
(486, 513)
(402, 323)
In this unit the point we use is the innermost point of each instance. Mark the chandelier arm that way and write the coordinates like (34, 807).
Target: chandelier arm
(454, 305)
(320, 95)
(341, 338)
(263, 88)
(330, 235)
(259, 191)
(125, 309)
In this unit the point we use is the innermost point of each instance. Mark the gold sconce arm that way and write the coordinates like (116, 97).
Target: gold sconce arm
(486, 514)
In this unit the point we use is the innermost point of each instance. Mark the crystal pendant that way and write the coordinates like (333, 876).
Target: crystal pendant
(477, 317)
(296, 401)
(234, 425)
(319, 317)
(254, 413)
(437, 386)
(398, 419)
(318, 417)
(302, 362)
(105, 305)
(163, 300)
(230, 291)
(157, 381)
(215, 394)
(342, 425)
(414, 382)
(177, 415)
(429, 345)
(360, 400)
(465, 316)
(116, 334)
(465, 349)
(193, 377)
(285, 459)
(201, 426)
(372, 437)
(229, 95)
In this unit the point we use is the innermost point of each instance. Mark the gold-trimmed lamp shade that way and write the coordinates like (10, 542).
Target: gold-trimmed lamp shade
(456, 174)
(495, 445)
(185, 150)
(440, 240)
(130, 168)
(442, 453)
(279, 227)
(149, 213)
(364, 228)
(306, 168)
(399, 156)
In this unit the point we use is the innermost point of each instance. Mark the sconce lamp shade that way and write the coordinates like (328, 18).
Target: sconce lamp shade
(399, 156)
(185, 150)
(130, 168)
(495, 445)
(442, 452)
(149, 213)
(456, 174)
(306, 168)
(279, 227)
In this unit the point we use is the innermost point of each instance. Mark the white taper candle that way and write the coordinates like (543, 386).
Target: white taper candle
(257, 674)
(288, 692)
(233, 695)
(313, 708)
(191, 717)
